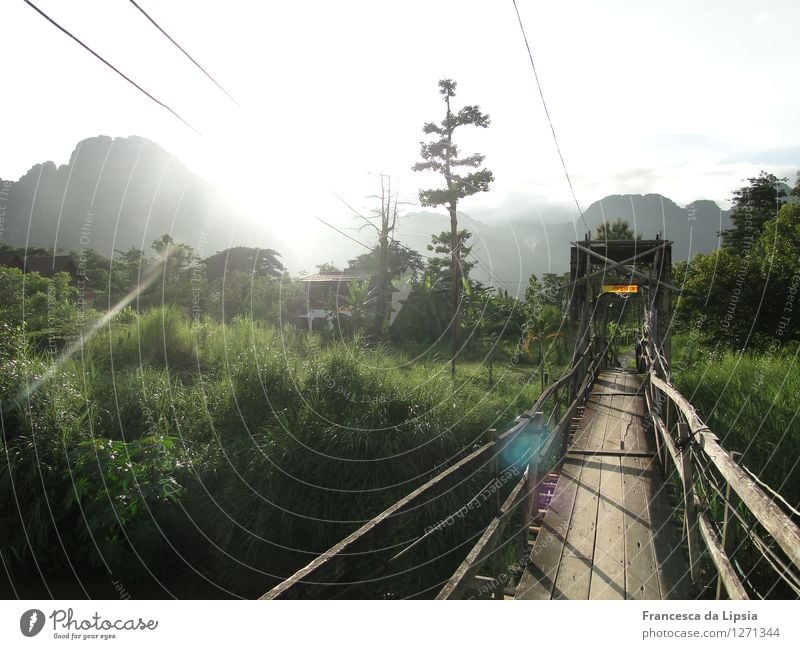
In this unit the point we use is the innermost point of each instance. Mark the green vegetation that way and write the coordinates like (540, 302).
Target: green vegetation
(234, 451)
(742, 296)
(617, 229)
(738, 332)
(751, 402)
(441, 155)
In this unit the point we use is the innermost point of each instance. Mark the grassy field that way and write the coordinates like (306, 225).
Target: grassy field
(751, 402)
(222, 458)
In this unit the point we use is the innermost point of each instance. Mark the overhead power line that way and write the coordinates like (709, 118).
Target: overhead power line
(185, 53)
(547, 113)
(357, 213)
(344, 234)
(96, 55)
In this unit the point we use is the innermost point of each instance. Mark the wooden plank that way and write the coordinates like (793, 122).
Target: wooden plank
(575, 571)
(641, 570)
(585, 425)
(632, 437)
(594, 425)
(608, 569)
(539, 577)
(603, 453)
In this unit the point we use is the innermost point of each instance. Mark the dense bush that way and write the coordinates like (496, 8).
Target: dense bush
(231, 451)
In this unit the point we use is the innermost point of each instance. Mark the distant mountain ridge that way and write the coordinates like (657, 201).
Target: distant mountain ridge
(125, 192)
(508, 253)
(118, 193)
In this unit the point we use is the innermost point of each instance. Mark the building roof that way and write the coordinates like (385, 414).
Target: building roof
(10, 259)
(343, 277)
(49, 265)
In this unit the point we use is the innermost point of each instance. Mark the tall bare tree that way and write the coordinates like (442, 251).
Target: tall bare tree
(442, 156)
(383, 220)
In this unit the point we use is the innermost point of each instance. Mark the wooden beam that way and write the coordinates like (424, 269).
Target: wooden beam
(625, 262)
(633, 271)
(727, 575)
(785, 532)
(315, 572)
(610, 453)
(462, 577)
(670, 444)
(772, 519)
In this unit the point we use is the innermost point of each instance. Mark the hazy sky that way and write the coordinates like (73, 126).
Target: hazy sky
(682, 98)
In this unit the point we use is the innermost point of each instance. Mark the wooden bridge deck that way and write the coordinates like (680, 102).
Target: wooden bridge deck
(607, 533)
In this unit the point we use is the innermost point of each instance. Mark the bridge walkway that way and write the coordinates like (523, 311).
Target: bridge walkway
(609, 531)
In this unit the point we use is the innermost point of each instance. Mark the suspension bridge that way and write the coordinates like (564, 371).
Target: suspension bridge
(610, 486)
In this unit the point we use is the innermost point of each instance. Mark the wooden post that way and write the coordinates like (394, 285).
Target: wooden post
(666, 464)
(558, 407)
(527, 508)
(690, 511)
(661, 450)
(728, 528)
(495, 562)
(665, 305)
(530, 506)
(668, 410)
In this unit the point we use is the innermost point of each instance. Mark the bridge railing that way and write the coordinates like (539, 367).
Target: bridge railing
(549, 436)
(732, 522)
(538, 436)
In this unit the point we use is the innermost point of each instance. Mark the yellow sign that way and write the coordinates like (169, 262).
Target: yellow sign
(620, 288)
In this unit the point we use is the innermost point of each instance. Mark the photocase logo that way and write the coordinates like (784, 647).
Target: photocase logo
(31, 622)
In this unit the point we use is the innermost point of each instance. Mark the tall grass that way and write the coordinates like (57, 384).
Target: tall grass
(230, 453)
(751, 402)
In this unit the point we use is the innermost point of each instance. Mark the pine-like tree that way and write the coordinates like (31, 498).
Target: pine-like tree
(442, 156)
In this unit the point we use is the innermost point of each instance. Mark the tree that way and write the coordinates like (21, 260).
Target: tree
(400, 260)
(360, 298)
(257, 262)
(542, 320)
(44, 308)
(753, 206)
(441, 267)
(776, 252)
(386, 217)
(489, 316)
(619, 229)
(442, 156)
(556, 289)
(174, 261)
(126, 270)
(720, 294)
(328, 267)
